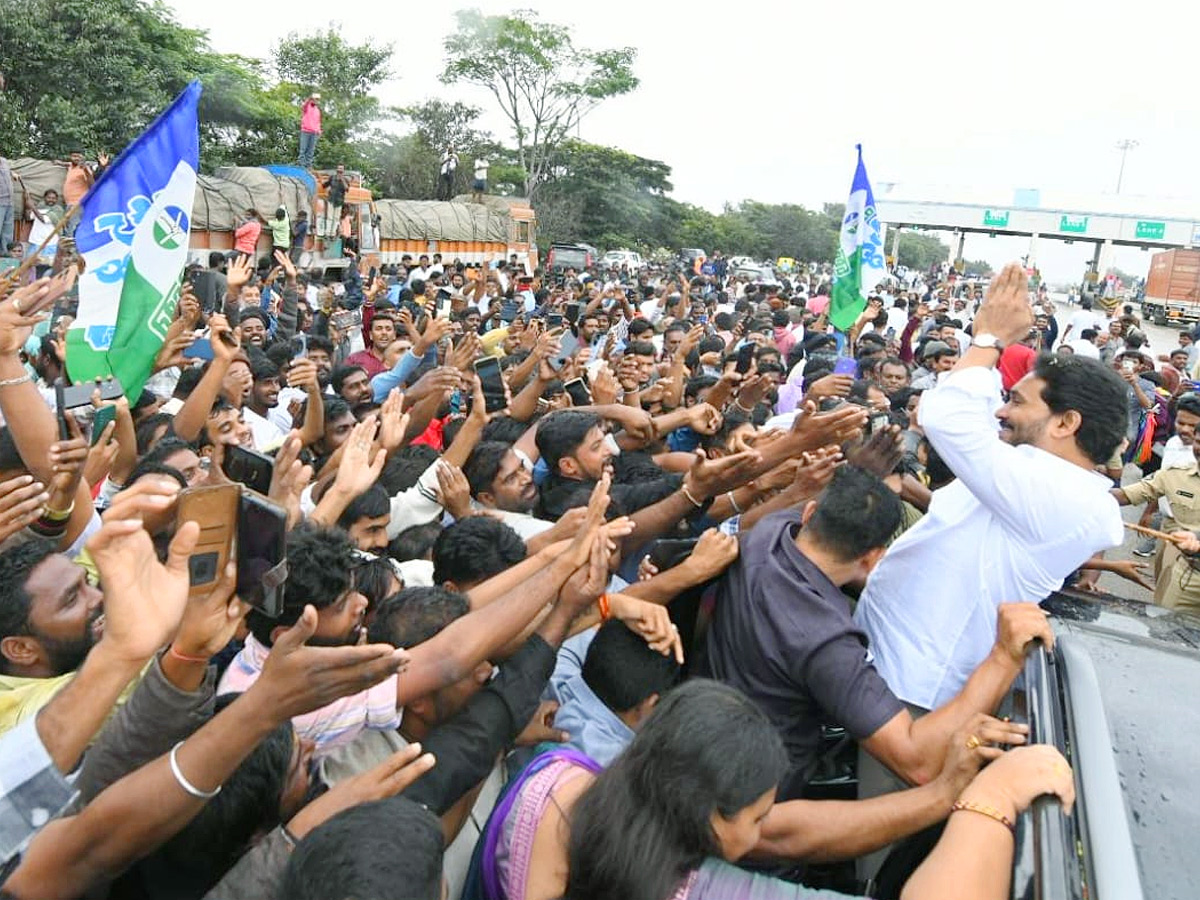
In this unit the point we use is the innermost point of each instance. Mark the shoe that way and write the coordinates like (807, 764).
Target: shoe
(1145, 554)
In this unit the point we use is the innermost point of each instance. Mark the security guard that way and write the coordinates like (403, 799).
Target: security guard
(1178, 582)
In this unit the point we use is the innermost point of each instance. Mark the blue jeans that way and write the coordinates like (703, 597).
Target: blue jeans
(308, 148)
(6, 227)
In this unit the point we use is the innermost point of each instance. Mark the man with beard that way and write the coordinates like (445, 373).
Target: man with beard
(50, 616)
(501, 483)
(1023, 514)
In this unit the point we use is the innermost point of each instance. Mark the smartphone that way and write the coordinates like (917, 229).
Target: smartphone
(261, 553)
(249, 467)
(845, 366)
(76, 395)
(299, 346)
(215, 509)
(488, 370)
(571, 312)
(1128, 365)
(577, 390)
(201, 348)
(877, 423)
(554, 320)
(745, 356)
(342, 319)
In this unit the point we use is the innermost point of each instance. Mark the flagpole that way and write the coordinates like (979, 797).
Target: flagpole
(15, 274)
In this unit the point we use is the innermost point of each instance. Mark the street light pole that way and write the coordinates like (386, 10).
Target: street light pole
(1124, 146)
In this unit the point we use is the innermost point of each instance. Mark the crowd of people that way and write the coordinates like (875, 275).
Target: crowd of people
(582, 569)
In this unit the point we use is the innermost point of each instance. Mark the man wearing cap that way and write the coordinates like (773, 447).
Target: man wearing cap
(310, 129)
(938, 357)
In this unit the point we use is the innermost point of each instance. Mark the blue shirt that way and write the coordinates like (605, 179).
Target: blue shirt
(382, 384)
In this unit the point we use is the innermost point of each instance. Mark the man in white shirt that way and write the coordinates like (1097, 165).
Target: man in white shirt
(479, 185)
(1026, 510)
(1082, 320)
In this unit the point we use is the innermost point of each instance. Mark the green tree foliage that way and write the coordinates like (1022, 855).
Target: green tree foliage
(920, 251)
(543, 84)
(977, 268)
(90, 74)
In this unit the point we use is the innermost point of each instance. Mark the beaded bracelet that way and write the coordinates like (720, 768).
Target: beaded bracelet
(984, 810)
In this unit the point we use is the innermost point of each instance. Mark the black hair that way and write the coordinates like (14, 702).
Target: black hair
(168, 446)
(262, 369)
(211, 843)
(504, 429)
(373, 579)
(1188, 402)
(1093, 390)
(370, 504)
(560, 434)
(340, 374)
(188, 379)
(475, 549)
(415, 542)
(278, 354)
(698, 383)
(321, 565)
(622, 670)
(483, 465)
(415, 615)
(646, 821)
(16, 565)
(406, 466)
(856, 513)
(939, 473)
(899, 401)
(387, 849)
(317, 342)
(144, 468)
(215, 259)
(732, 421)
(640, 348)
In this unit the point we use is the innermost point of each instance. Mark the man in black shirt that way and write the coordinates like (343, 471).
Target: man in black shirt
(782, 633)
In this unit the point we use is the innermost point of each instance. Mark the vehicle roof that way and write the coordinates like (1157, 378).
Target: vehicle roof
(1147, 661)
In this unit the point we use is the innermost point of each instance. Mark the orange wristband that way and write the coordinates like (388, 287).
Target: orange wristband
(984, 810)
(605, 608)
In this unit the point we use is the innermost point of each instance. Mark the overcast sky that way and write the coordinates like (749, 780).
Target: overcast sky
(766, 100)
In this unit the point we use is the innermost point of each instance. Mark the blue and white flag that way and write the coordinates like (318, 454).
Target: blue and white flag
(860, 262)
(133, 237)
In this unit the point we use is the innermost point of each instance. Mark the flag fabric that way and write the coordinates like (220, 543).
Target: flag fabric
(860, 262)
(133, 237)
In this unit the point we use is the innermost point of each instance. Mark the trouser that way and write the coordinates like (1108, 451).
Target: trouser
(308, 148)
(445, 185)
(6, 227)
(1180, 586)
(874, 780)
(331, 219)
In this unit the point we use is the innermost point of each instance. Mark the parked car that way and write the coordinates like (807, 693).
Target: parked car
(627, 259)
(1117, 696)
(737, 262)
(757, 275)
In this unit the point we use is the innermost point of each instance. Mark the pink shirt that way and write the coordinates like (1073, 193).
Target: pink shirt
(339, 722)
(817, 304)
(245, 239)
(310, 117)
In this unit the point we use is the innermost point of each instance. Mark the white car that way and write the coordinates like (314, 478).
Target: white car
(616, 259)
(742, 262)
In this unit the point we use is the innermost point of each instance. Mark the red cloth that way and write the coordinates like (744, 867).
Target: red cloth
(432, 435)
(1016, 361)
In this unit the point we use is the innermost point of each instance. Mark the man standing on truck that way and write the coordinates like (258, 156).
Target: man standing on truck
(446, 174)
(479, 185)
(310, 129)
(337, 184)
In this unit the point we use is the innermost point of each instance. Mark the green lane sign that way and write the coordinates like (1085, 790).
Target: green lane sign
(995, 218)
(1073, 224)
(1151, 231)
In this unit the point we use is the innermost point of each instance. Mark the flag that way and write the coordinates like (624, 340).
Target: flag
(860, 263)
(133, 237)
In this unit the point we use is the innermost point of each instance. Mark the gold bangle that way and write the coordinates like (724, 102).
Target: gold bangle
(984, 810)
(58, 515)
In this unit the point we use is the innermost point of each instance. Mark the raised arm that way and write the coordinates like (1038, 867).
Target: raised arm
(190, 420)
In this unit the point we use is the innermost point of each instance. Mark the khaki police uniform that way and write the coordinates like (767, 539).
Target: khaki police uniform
(1178, 583)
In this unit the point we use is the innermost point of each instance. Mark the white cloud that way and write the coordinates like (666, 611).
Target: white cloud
(765, 100)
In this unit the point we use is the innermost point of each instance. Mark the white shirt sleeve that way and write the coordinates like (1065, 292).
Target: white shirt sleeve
(958, 417)
(417, 505)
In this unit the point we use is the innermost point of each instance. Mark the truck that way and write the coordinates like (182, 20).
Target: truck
(1173, 288)
(383, 231)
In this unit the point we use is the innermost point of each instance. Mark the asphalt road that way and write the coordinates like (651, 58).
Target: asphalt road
(1162, 340)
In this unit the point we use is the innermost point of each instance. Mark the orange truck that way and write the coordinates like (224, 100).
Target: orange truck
(1173, 288)
(383, 231)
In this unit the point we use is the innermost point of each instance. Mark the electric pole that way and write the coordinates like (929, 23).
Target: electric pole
(1124, 146)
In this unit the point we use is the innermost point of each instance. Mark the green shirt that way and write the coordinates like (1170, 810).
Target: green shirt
(281, 231)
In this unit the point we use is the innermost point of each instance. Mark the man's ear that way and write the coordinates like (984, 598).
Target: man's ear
(1067, 424)
(809, 508)
(487, 498)
(21, 650)
(569, 467)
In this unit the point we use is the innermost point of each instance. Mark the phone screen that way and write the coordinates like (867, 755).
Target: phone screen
(578, 391)
(261, 554)
(845, 366)
(492, 383)
(554, 320)
(744, 356)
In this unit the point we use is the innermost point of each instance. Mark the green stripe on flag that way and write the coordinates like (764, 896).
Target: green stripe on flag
(143, 318)
(847, 301)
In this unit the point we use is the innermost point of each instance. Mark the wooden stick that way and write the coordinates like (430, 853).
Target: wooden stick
(1150, 532)
(13, 275)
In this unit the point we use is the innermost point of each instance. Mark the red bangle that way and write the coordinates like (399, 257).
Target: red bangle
(183, 657)
(605, 609)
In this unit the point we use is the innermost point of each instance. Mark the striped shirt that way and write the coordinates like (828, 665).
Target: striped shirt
(330, 726)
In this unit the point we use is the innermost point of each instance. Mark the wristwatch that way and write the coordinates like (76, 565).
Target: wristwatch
(988, 342)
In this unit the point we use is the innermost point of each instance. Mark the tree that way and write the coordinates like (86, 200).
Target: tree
(977, 268)
(542, 83)
(920, 251)
(91, 74)
(344, 74)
